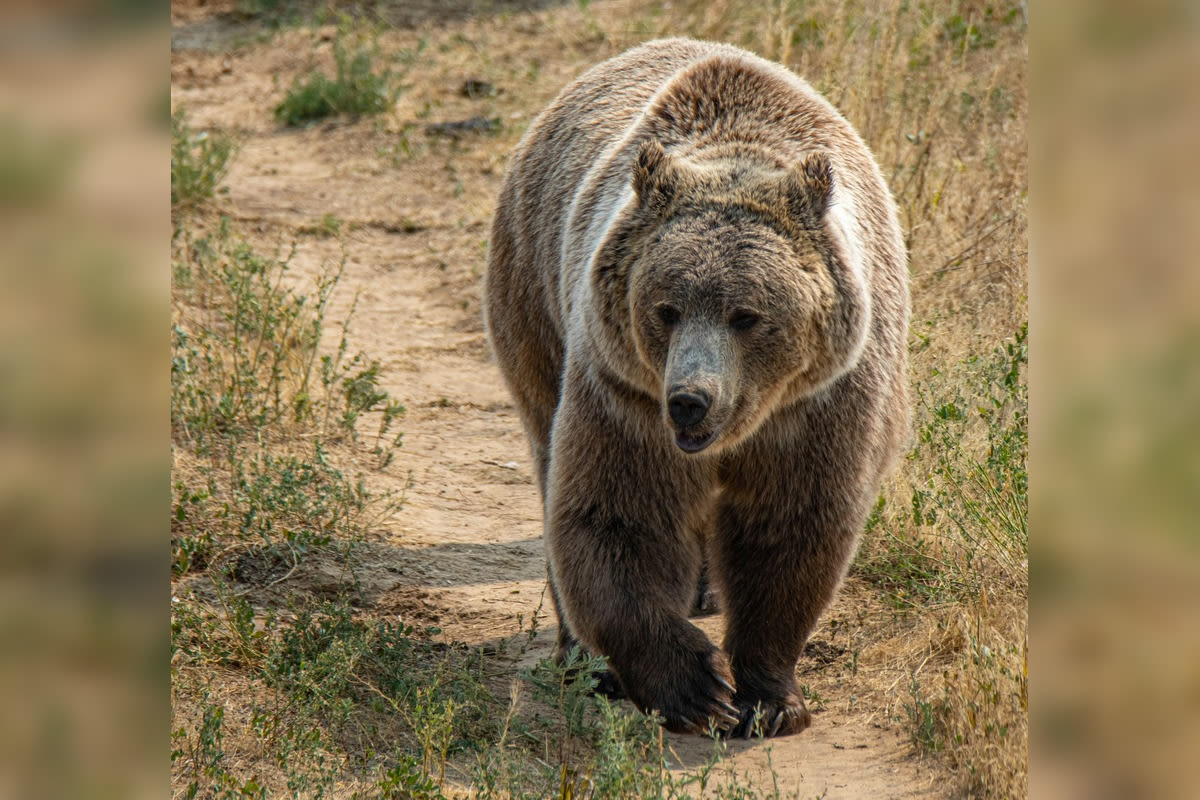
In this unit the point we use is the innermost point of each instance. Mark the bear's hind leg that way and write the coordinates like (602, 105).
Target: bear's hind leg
(704, 598)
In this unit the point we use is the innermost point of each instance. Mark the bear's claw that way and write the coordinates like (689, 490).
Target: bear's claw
(700, 700)
(770, 719)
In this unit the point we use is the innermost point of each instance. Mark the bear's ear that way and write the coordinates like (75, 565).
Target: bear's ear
(807, 189)
(655, 177)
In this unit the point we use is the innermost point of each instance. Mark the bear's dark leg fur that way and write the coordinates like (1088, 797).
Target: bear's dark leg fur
(704, 599)
(770, 612)
(624, 562)
(606, 682)
(784, 537)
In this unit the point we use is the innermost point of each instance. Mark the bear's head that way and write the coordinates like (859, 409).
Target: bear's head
(744, 289)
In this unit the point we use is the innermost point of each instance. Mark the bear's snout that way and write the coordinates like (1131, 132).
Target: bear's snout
(688, 408)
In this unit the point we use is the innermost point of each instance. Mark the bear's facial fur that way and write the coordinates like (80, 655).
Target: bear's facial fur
(730, 293)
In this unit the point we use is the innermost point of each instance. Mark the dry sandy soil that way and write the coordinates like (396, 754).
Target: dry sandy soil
(465, 550)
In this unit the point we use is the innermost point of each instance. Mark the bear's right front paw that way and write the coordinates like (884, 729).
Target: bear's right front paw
(690, 689)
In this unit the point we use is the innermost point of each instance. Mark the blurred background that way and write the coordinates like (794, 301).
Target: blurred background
(1115, 379)
(1115, 390)
(84, 458)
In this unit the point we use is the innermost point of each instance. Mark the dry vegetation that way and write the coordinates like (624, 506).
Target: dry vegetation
(288, 679)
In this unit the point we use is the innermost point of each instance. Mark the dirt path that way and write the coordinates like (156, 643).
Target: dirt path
(465, 551)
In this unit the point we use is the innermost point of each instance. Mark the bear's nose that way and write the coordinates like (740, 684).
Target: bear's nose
(688, 408)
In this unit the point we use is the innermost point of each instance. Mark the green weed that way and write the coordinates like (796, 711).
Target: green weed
(200, 757)
(243, 360)
(356, 88)
(963, 543)
(926, 720)
(967, 519)
(199, 161)
(978, 30)
(980, 499)
(246, 375)
(330, 684)
(329, 226)
(406, 779)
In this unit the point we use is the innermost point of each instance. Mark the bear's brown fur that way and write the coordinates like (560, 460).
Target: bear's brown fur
(697, 293)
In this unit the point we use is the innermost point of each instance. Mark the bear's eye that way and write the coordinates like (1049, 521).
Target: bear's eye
(743, 321)
(668, 314)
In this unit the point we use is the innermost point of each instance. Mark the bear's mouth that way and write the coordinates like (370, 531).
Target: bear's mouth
(694, 442)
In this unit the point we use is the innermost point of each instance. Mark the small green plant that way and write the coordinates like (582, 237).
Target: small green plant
(981, 498)
(244, 361)
(199, 161)
(963, 542)
(406, 779)
(982, 32)
(327, 682)
(967, 519)
(570, 688)
(926, 720)
(246, 373)
(329, 226)
(200, 755)
(984, 715)
(356, 88)
(902, 565)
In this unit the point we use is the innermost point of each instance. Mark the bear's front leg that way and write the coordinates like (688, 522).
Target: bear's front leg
(784, 538)
(622, 557)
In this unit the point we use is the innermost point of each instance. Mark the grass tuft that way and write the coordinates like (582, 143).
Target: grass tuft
(246, 376)
(357, 87)
(961, 549)
(199, 161)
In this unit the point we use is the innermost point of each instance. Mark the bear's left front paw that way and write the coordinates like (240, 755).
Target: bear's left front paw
(767, 718)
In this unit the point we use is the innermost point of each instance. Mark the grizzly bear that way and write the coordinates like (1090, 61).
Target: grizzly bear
(697, 294)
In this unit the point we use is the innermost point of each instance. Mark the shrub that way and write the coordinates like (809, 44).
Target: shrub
(356, 87)
(199, 161)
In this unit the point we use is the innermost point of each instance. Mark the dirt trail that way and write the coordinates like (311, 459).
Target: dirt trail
(465, 551)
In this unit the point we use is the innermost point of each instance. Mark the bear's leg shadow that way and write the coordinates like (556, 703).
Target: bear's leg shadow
(625, 562)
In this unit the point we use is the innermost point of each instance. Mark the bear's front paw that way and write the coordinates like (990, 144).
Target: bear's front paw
(690, 689)
(771, 717)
